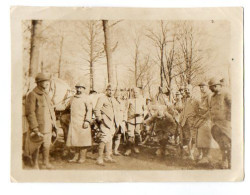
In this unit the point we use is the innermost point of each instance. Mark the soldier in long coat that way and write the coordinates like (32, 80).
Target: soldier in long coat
(105, 116)
(79, 135)
(220, 111)
(188, 121)
(204, 136)
(136, 110)
(41, 119)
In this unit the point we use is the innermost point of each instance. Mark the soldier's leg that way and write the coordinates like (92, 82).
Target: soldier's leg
(82, 154)
(35, 158)
(76, 156)
(130, 141)
(117, 140)
(137, 137)
(46, 150)
(221, 140)
(108, 154)
(101, 148)
(226, 143)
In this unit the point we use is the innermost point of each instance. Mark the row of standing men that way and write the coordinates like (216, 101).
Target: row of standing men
(114, 117)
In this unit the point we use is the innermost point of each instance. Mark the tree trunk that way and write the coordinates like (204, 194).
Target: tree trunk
(60, 58)
(107, 46)
(162, 64)
(34, 49)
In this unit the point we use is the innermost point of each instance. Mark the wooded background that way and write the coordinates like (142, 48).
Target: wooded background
(128, 53)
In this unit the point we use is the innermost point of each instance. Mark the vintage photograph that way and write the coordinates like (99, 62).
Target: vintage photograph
(126, 94)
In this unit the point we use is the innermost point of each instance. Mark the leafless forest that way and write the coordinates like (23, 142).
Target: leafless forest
(125, 53)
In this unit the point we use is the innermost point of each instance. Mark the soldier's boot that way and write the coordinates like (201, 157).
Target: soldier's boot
(158, 152)
(46, 163)
(117, 144)
(130, 144)
(35, 157)
(82, 155)
(99, 160)
(108, 153)
(136, 145)
(75, 158)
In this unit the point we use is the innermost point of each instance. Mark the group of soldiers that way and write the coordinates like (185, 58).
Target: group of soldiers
(181, 120)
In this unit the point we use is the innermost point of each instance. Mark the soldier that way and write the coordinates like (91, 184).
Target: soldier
(178, 102)
(162, 97)
(105, 116)
(136, 110)
(79, 135)
(204, 136)
(220, 110)
(188, 121)
(164, 126)
(120, 121)
(182, 92)
(41, 119)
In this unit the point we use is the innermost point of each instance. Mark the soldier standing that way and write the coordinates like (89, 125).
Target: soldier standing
(204, 136)
(41, 119)
(188, 121)
(105, 116)
(120, 121)
(79, 135)
(220, 110)
(136, 109)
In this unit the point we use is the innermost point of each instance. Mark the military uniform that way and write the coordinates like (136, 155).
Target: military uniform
(220, 111)
(120, 123)
(164, 125)
(40, 115)
(136, 110)
(105, 115)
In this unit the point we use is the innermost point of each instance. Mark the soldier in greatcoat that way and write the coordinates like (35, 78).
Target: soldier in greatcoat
(41, 119)
(79, 135)
(188, 121)
(220, 111)
(204, 136)
(105, 116)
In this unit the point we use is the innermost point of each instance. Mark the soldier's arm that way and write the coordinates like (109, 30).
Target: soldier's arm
(30, 109)
(88, 111)
(98, 108)
(228, 105)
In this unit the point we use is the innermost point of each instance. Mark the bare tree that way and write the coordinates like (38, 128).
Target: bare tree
(160, 40)
(92, 45)
(190, 53)
(34, 47)
(112, 70)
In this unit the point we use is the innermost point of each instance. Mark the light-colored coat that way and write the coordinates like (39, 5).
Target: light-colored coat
(204, 136)
(121, 115)
(136, 110)
(80, 112)
(105, 112)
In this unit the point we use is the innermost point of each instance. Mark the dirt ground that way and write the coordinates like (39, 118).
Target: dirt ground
(146, 160)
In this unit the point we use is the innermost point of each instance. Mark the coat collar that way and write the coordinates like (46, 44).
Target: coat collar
(38, 91)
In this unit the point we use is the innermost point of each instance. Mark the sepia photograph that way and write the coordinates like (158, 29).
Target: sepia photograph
(115, 93)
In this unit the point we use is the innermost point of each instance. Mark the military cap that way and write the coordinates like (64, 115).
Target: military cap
(42, 77)
(214, 81)
(36, 137)
(202, 84)
(110, 87)
(181, 88)
(80, 84)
